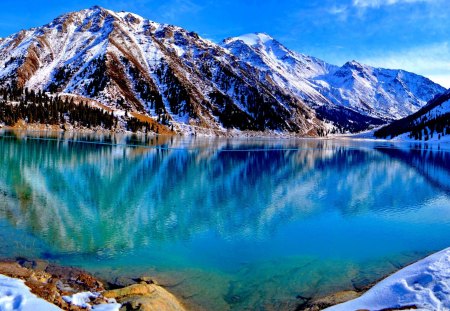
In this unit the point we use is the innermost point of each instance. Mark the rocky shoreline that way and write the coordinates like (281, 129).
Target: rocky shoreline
(55, 284)
(198, 131)
(63, 286)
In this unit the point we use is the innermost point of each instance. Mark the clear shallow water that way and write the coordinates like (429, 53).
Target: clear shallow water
(227, 224)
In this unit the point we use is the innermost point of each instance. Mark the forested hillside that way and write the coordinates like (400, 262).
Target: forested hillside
(32, 107)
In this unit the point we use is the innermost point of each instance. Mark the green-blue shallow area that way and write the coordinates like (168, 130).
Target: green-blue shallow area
(225, 224)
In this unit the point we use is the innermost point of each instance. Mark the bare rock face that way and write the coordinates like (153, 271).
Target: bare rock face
(145, 297)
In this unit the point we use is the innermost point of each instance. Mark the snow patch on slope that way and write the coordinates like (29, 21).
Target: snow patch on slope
(439, 110)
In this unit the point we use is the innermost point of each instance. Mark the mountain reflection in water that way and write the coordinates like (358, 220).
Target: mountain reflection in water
(243, 207)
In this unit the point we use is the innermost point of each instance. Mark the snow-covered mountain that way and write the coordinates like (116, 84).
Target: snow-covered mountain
(275, 62)
(253, 82)
(127, 62)
(431, 123)
(362, 93)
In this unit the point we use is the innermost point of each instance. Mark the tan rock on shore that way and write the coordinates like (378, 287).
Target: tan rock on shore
(145, 297)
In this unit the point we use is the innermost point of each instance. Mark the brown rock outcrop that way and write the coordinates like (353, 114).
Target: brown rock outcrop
(145, 297)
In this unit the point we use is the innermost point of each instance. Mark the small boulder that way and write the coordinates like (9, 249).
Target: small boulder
(145, 297)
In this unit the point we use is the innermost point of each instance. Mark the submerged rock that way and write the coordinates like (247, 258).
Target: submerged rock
(120, 282)
(145, 297)
(36, 265)
(331, 300)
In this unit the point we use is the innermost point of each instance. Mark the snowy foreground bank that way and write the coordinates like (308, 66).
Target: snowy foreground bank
(425, 285)
(16, 296)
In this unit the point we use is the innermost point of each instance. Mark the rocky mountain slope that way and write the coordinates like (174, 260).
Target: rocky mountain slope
(130, 63)
(352, 94)
(432, 122)
(190, 84)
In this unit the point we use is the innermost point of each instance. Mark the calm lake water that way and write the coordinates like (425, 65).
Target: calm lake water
(226, 224)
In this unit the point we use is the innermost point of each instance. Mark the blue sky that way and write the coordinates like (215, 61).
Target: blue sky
(408, 34)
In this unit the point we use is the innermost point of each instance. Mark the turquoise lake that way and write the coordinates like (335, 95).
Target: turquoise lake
(225, 224)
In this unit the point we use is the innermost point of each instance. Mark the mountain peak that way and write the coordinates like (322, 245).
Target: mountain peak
(353, 64)
(96, 8)
(251, 39)
(102, 13)
(93, 10)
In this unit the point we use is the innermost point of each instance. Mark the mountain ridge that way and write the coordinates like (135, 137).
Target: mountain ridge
(385, 94)
(134, 64)
(179, 79)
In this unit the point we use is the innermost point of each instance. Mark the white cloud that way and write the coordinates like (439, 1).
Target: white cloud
(432, 61)
(341, 12)
(443, 79)
(379, 3)
(336, 10)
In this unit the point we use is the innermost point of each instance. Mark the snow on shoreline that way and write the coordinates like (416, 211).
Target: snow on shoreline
(15, 296)
(425, 284)
(83, 300)
(402, 138)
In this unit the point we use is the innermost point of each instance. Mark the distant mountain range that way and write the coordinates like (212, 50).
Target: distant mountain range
(430, 123)
(191, 85)
(352, 97)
